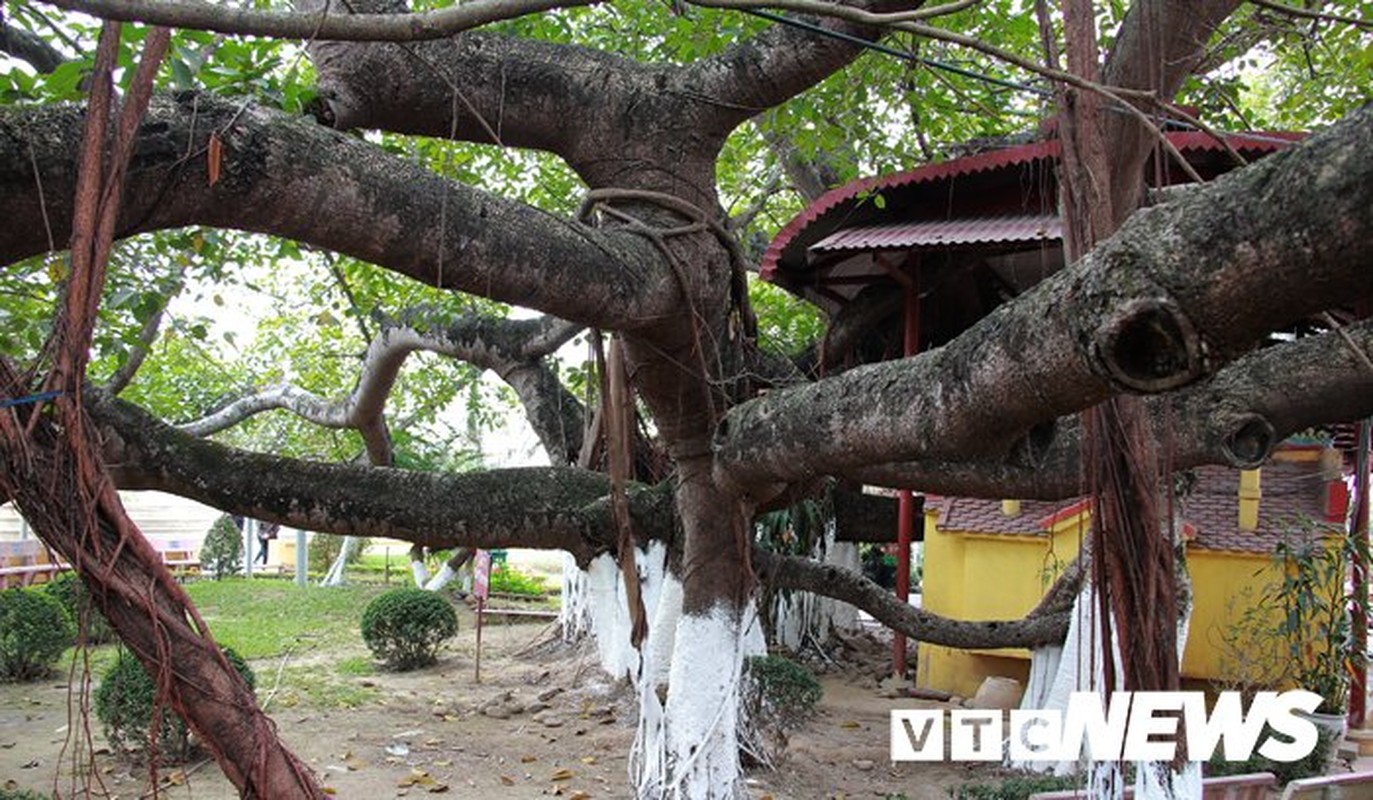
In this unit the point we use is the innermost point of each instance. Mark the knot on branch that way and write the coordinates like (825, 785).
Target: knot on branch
(1148, 345)
(1249, 440)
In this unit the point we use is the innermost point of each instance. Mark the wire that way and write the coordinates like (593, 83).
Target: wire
(967, 73)
(891, 51)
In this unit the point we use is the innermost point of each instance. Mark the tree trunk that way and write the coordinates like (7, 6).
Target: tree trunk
(153, 616)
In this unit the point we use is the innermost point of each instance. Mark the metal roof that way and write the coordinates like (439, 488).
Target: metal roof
(850, 195)
(943, 233)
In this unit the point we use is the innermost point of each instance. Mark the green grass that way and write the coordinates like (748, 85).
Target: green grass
(263, 618)
(310, 686)
(355, 666)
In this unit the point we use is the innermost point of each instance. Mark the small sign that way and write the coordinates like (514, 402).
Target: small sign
(481, 574)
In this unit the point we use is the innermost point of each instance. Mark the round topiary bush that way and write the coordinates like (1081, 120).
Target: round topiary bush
(405, 627)
(221, 554)
(68, 590)
(34, 630)
(124, 706)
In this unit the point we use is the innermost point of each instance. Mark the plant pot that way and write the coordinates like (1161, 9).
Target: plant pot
(1331, 728)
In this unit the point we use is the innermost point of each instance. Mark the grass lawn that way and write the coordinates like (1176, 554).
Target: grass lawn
(263, 618)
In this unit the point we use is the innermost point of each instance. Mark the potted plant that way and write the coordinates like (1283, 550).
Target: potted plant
(1313, 603)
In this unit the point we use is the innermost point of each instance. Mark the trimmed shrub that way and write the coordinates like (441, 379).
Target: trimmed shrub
(1018, 787)
(70, 591)
(124, 706)
(778, 696)
(34, 630)
(405, 627)
(221, 554)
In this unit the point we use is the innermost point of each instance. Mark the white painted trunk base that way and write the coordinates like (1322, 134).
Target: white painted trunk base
(689, 750)
(1076, 666)
(336, 576)
(574, 618)
(608, 606)
(444, 577)
(803, 619)
(420, 573)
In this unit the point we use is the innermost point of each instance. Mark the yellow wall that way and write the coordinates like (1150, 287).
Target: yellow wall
(976, 576)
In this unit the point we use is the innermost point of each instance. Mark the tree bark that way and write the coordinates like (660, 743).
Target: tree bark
(1290, 234)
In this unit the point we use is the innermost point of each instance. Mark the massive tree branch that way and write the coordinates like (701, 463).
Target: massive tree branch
(289, 177)
(1149, 310)
(1158, 46)
(562, 508)
(28, 47)
(532, 507)
(1235, 417)
(787, 572)
(331, 24)
(513, 349)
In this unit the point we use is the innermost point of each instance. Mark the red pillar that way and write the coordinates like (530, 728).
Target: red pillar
(905, 503)
(1358, 616)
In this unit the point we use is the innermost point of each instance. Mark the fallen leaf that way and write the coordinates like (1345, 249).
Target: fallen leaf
(526, 759)
(353, 763)
(562, 775)
(177, 778)
(848, 723)
(329, 790)
(588, 760)
(444, 763)
(507, 780)
(214, 153)
(579, 795)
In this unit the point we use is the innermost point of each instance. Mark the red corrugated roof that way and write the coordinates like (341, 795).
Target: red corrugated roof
(1186, 141)
(934, 233)
(1291, 500)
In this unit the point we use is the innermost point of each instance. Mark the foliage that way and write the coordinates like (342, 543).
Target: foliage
(1310, 765)
(878, 565)
(786, 324)
(324, 548)
(1018, 787)
(69, 590)
(34, 630)
(221, 554)
(20, 794)
(1251, 655)
(778, 695)
(1314, 615)
(404, 628)
(510, 580)
(125, 706)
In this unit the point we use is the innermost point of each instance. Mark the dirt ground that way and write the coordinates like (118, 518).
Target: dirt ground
(439, 730)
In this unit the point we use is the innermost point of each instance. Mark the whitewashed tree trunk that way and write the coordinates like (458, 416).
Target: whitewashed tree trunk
(337, 571)
(1076, 666)
(804, 619)
(574, 617)
(420, 572)
(689, 749)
